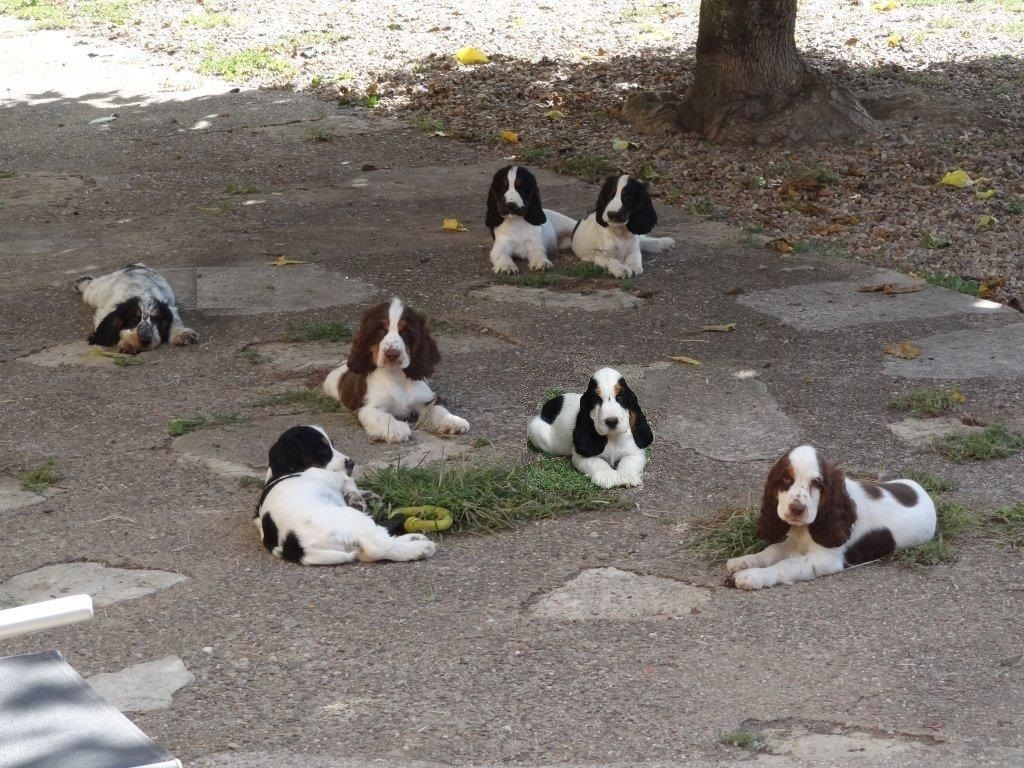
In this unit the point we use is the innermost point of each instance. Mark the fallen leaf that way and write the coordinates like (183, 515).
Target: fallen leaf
(905, 350)
(985, 289)
(737, 291)
(439, 133)
(938, 240)
(453, 225)
(984, 195)
(471, 55)
(620, 144)
(283, 261)
(959, 178)
(780, 244)
(510, 136)
(852, 41)
(957, 396)
(718, 328)
(684, 360)
(890, 288)
(894, 40)
(554, 114)
(887, 5)
(986, 222)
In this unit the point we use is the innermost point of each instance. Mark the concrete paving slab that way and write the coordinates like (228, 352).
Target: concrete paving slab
(335, 125)
(80, 354)
(143, 687)
(922, 432)
(609, 593)
(835, 744)
(830, 305)
(996, 353)
(107, 585)
(724, 412)
(12, 497)
(40, 188)
(594, 301)
(257, 289)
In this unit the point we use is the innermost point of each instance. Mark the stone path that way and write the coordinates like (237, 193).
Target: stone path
(592, 640)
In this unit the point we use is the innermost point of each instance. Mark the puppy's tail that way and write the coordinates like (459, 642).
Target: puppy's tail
(563, 225)
(655, 244)
(332, 384)
(80, 283)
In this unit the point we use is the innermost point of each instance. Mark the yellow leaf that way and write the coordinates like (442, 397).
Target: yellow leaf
(780, 244)
(620, 144)
(283, 261)
(554, 114)
(684, 360)
(471, 55)
(894, 40)
(453, 225)
(958, 178)
(984, 195)
(957, 396)
(718, 328)
(986, 222)
(905, 350)
(510, 136)
(887, 5)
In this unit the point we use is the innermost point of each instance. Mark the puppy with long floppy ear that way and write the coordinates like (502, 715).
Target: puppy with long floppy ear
(818, 521)
(603, 429)
(520, 227)
(384, 381)
(615, 236)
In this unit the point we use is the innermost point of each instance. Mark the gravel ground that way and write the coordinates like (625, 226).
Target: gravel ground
(948, 75)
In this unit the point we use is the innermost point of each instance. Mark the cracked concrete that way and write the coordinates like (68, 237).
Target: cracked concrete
(143, 687)
(105, 584)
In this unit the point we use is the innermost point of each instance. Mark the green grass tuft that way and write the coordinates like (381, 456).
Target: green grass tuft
(587, 166)
(489, 497)
(742, 738)
(704, 206)
(309, 399)
(996, 442)
(39, 479)
(253, 355)
(317, 331)
(315, 134)
(241, 189)
(929, 401)
(207, 20)
(7, 174)
(1007, 524)
(953, 518)
(248, 482)
(931, 483)
(185, 424)
(249, 64)
(729, 533)
(952, 282)
(552, 393)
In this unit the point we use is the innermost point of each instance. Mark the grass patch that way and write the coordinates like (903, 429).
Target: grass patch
(931, 483)
(587, 166)
(742, 738)
(241, 189)
(729, 533)
(248, 64)
(995, 442)
(706, 207)
(490, 497)
(248, 482)
(535, 154)
(952, 518)
(207, 20)
(253, 355)
(929, 401)
(125, 361)
(44, 15)
(309, 399)
(117, 12)
(318, 332)
(315, 134)
(430, 124)
(1008, 524)
(185, 424)
(39, 479)
(952, 282)
(552, 393)
(5, 174)
(565, 275)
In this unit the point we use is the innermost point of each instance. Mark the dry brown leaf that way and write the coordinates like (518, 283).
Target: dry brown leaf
(725, 328)
(905, 350)
(890, 288)
(283, 261)
(780, 244)
(684, 360)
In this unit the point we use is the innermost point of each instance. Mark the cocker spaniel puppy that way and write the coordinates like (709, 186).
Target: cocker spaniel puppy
(603, 430)
(311, 511)
(384, 380)
(135, 310)
(614, 236)
(521, 228)
(818, 521)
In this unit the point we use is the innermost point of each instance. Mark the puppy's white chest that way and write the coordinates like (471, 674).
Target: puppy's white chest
(520, 235)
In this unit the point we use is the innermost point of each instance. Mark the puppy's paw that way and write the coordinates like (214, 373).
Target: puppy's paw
(539, 264)
(618, 269)
(424, 549)
(128, 347)
(184, 337)
(355, 500)
(506, 267)
(735, 564)
(605, 478)
(397, 432)
(751, 579)
(630, 479)
(413, 537)
(453, 425)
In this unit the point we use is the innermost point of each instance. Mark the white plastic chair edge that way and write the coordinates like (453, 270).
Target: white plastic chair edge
(45, 615)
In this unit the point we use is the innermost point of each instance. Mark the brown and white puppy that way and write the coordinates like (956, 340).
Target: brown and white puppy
(135, 310)
(384, 380)
(818, 521)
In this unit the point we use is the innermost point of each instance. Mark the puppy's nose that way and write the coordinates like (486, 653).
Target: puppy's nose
(797, 508)
(392, 354)
(612, 423)
(349, 465)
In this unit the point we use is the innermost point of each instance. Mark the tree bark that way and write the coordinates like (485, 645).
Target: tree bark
(751, 85)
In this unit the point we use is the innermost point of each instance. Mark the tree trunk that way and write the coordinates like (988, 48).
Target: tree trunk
(751, 85)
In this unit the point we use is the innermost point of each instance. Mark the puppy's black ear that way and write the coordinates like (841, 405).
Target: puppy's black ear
(585, 440)
(607, 193)
(534, 210)
(163, 321)
(494, 217)
(108, 332)
(641, 430)
(643, 217)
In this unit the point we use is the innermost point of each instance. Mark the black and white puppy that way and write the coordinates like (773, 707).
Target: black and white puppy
(311, 511)
(521, 228)
(603, 430)
(614, 236)
(135, 310)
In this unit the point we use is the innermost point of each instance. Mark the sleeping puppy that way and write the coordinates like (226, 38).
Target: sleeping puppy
(614, 235)
(311, 511)
(521, 228)
(134, 309)
(603, 430)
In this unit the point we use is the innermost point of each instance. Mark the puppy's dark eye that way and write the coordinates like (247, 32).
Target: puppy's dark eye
(817, 484)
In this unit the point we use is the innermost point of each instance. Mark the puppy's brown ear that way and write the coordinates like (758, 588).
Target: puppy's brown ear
(423, 352)
(371, 331)
(836, 510)
(771, 527)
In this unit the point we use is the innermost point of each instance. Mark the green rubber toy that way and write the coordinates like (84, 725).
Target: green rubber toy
(424, 519)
